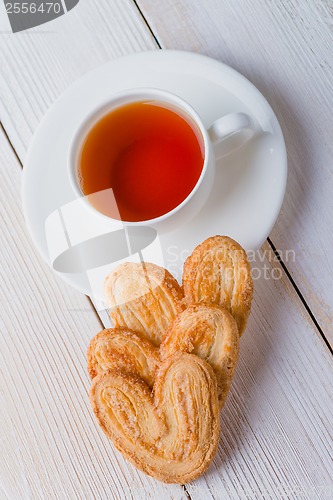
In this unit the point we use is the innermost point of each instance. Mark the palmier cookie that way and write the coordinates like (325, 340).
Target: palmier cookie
(170, 433)
(143, 297)
(120, 348)
(210, 332)
(218, 272)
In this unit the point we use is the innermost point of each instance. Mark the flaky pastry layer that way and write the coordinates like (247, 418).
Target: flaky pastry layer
(143, 297)
(171, 433)
(218, 272)
(210, 332)
(122, 349)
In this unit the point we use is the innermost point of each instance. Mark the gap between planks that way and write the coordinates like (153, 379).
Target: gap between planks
(147, 24)
(271, 244)
(210, 31)
(94, 308)
(315, 321)
(99, 318)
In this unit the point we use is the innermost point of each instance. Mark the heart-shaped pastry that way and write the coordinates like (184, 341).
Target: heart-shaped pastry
(143, 297)
(210, 332)
(170, 433)
(122, 349)
(160, 406)
(218, 272)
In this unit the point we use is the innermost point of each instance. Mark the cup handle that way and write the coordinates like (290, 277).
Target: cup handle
(235, 129)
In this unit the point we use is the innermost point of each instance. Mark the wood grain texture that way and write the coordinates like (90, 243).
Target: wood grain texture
(51, 446)
(276, 423)
(285, 48)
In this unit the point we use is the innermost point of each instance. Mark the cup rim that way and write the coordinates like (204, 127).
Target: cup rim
(101, 110)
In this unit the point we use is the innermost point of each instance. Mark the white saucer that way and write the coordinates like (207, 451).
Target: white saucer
(249, 185)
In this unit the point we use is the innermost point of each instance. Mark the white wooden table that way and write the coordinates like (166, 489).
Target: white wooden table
(276, 426)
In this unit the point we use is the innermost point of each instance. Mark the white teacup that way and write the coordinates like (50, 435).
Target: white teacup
(236, 126)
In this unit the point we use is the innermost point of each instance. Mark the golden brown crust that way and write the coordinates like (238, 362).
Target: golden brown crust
(160, 406)
(218, 272)
(143, 297)
(210, 332)
(123, 349)
(171, 434)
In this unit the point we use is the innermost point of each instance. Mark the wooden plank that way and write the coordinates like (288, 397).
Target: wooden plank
(51, 445)
(39, 64)
(271, 414)
(285, 48)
